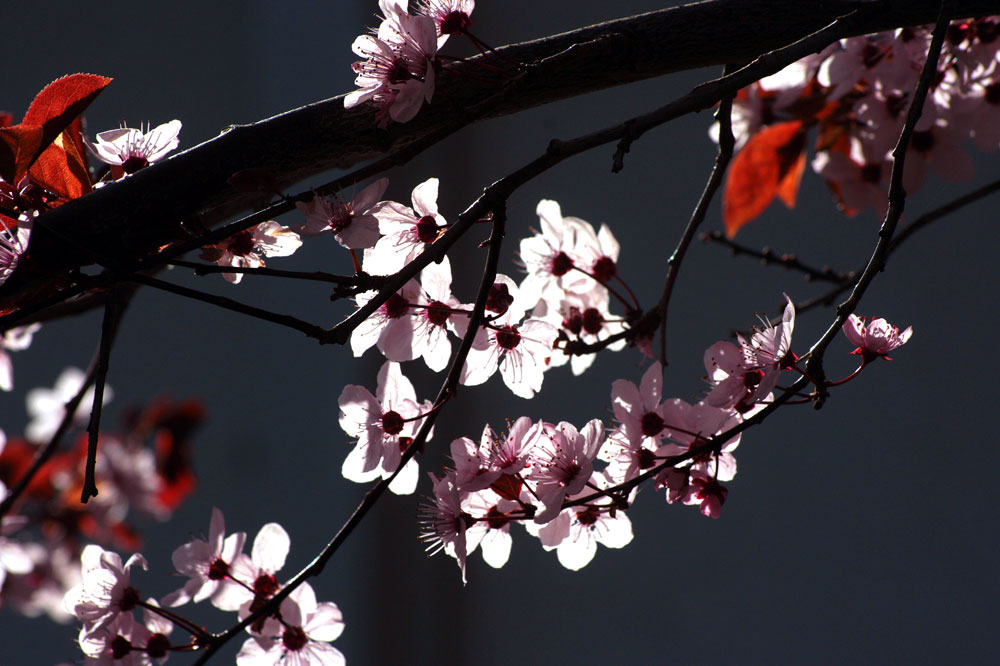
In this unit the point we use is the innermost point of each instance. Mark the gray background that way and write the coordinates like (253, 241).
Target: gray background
(865, 532)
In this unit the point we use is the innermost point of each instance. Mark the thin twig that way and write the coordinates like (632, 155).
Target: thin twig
(726, 145)
(768, 257)
(43, 454)
(897, 198)
(113, 308)
(364, 282)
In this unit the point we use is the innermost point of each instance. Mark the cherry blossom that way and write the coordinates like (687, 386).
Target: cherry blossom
(247, 248)
(13, 244)
(119, 643)
(46, 407)
(575, 532)
(876, 339)
(444, 523)
(451, 17)
(267, 557)
(385, 424)
(352, 223)
(130, 149)
(520, 352)
(208, 565)
(745, 375)
(491, 531)
(302, 637)
(438, 313)
(391, 327)
(693, 425)
(564, 459)
(397, 73)
(105, 590)
(15, 339)
(406, 231)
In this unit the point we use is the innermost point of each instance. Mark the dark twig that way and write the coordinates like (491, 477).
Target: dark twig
(363, 282)
(897, 198)
(43, 454)
(447, 391)
(768, 257)
(113, 308)
(725, 153)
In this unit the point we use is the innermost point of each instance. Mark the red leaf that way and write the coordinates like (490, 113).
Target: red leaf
(62, 101)
(18, 147)
(6, 119)
(508, 487)
(61, 169)
(770, 164)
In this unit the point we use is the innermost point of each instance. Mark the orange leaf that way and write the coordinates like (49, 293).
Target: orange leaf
(61, 169)
(770, 162)
(60, 102)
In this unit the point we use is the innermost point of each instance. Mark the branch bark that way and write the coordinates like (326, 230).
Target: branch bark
(133, 217)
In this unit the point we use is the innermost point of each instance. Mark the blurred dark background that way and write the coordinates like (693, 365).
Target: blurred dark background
(865, 532)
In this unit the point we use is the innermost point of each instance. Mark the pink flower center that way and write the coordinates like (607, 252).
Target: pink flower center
(574, 321)
(593, 321)
(427, 229)
(157, 646)
(294, 638)
(604, 269)
(455, 23)
(241, 244)
(134, 163)
(265, 586)
(130, 599)
(340, 218)
(437, 313)
(398, 72)
(499, 299)
(396, 306)
(588, 516)
(508, 337)
(652, 424)
(218, 569)
(120, 647)
(392, 423)
(560, 264)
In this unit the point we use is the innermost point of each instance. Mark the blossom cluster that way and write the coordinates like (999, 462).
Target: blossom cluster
(142, 471)
(398, 70)
(105, 602)
(857, 92)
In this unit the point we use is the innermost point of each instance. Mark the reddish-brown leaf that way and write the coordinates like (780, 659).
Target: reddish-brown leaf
(6, 120)
(770, 163)
(19, 145)
(508, 486)
(62, 101)
(61, 169)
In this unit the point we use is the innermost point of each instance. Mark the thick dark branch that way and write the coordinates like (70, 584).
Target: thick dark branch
(133, 217)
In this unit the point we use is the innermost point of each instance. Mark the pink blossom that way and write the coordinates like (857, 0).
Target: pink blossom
(46, 407)
(575, 532)
(444, 523)
(257, 573)
(520, 352)
(15, 339)
(491, 531)
(302, 637)
(13, 244)
(352, 223)
(564, 462)
(746, 375)
(208, 565)
(876, 339)
(479, 467)
(391, 327)
(692, 426)
(248, 248)
(438, 313)
(397, 73)
(105, 590)
(451, 17)
(119, 643)
(406, 231)
(385, 425)
(134, 149)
